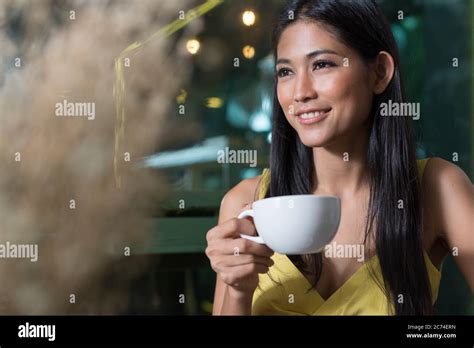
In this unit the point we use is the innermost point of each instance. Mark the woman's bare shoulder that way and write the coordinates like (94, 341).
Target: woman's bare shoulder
(441, 174)
(445, 186)
(245, 190)
(237, 197)
(450, 198)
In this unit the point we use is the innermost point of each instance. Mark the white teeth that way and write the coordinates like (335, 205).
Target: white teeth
(310, 114)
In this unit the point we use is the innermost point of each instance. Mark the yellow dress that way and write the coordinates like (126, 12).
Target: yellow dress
(284, 289)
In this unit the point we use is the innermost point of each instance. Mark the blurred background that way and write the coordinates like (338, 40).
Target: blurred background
(120, 205)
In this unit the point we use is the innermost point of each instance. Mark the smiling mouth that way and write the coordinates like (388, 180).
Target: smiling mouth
(313, 116)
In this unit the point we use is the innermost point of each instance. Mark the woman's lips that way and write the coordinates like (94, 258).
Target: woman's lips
(313, 117)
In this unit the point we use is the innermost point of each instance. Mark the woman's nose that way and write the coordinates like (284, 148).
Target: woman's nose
(304, 89)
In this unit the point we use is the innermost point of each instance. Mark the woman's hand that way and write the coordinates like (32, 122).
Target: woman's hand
(237, 261)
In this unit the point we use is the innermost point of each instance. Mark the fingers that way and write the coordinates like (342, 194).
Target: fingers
(239, 260)
(238, 246)
(245, 246)
(237, 276)
(231, 229)
(250, 268)
(235, 259)
(241, 266)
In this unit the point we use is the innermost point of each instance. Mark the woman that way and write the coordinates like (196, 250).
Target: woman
(336, 66)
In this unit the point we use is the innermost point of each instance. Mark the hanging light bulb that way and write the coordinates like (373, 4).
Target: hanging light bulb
(248, 52)
(248, 18)
(214, 102)
(193, 46)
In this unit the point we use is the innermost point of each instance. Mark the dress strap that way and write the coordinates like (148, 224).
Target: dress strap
(421, 166)
(265, 181)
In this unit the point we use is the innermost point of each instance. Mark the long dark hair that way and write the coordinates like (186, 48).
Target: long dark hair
(391, 156)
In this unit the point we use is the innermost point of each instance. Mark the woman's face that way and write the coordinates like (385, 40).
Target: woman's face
(324, 87)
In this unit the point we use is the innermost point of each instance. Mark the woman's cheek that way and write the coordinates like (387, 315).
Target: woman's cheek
(285, 100)
(332, 86)
(359, 97)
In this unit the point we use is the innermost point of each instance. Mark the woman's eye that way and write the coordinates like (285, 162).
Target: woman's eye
(283, 72)
(323, 64)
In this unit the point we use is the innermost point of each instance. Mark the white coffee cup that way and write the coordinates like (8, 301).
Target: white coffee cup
(297, 224)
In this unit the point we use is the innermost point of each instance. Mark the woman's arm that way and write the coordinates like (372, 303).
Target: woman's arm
(236, 303)
(453, 206)
(226, 300)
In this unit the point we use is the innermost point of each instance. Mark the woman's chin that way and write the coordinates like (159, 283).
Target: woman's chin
(314, 141)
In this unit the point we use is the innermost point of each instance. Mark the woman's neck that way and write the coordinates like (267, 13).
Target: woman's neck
(341, 169)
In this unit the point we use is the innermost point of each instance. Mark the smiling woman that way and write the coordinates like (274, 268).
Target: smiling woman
(337, 64)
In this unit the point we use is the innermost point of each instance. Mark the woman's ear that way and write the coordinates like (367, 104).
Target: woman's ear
(384, 68)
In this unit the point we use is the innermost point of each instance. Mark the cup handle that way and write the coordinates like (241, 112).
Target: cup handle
(256, 239)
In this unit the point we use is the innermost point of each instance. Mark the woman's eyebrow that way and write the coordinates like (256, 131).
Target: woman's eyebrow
(309, 55)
